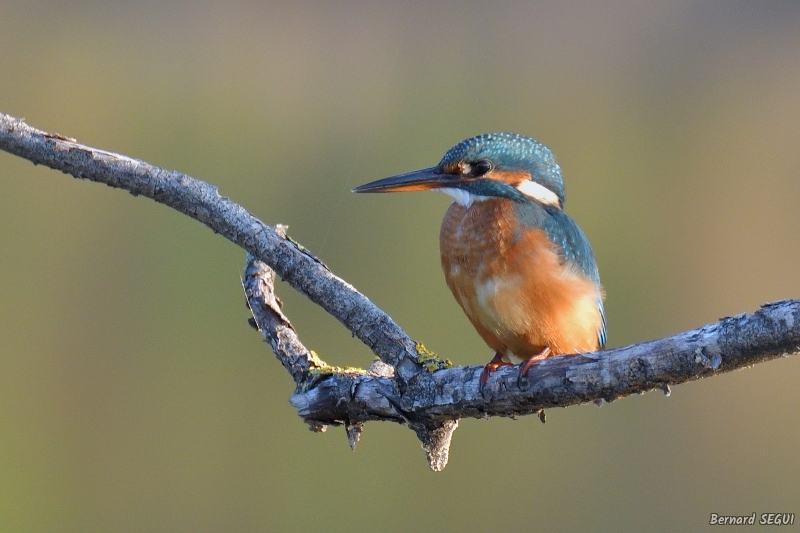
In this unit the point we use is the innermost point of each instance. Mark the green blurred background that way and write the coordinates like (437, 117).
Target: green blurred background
(133, 395)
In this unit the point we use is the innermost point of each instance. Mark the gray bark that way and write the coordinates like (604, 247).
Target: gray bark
(409, 385)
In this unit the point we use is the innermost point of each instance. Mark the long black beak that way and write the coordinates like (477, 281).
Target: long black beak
(418, 180)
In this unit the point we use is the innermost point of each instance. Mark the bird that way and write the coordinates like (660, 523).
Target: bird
(521, 269)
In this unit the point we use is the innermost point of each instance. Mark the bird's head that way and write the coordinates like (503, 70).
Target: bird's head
(493, 165)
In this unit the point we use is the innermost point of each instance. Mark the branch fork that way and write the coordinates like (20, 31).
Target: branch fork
(408, 384)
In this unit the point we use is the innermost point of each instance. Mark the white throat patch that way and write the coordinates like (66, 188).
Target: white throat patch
(462, 197)
(538, 192)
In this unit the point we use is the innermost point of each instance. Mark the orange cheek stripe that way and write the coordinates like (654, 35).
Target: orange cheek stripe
(512, 178)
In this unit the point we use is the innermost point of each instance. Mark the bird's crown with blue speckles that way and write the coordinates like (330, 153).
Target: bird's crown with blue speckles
(510, 151)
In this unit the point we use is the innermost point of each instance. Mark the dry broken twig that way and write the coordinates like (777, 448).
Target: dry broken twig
(408, 385)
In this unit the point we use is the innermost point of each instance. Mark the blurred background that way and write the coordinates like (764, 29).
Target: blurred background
(133, 394)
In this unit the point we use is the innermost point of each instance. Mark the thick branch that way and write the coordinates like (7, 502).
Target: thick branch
(202, 202)
(732, 343)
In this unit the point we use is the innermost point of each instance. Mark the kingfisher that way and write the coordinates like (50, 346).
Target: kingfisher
(521, 269)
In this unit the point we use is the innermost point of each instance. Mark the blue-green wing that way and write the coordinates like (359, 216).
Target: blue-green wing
(573, 246)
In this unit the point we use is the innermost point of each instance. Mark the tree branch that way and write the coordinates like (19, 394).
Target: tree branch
(408, 385)
(732, 343)
(201, 201)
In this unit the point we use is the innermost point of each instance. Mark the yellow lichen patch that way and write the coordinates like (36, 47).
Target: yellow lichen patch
(316, 362)
(320, 368)
(328, 370)
(430, 360)
(299, 246)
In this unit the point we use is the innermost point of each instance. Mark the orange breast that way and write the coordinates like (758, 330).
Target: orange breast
(510, 283)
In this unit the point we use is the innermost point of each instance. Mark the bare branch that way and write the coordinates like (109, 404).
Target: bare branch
(202, 202)
(310, 372)
(259, 286)
(409, 385)
(732, 343)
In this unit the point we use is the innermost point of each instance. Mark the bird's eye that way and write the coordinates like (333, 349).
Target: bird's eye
(481, 167)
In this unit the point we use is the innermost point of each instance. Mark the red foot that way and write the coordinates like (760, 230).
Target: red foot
(529, 362)
(491, 366)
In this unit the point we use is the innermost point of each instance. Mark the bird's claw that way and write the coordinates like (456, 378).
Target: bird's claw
(490, 367)
(528, 363)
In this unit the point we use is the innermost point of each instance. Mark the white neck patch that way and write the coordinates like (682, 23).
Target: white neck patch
(538, 192)
(462, 197)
